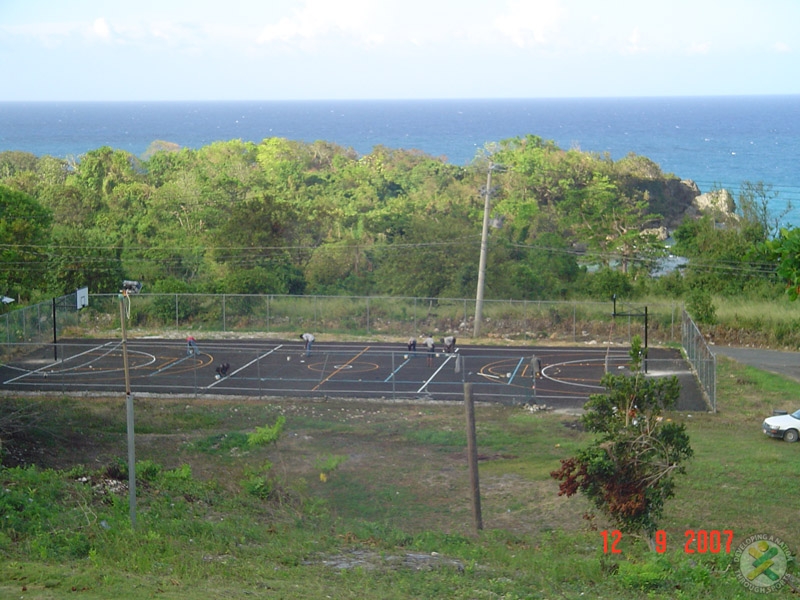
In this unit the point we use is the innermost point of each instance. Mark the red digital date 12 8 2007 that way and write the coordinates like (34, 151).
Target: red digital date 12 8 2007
(698, 541)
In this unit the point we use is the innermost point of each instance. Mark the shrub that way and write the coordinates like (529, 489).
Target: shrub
(700, 305)
(263, 436)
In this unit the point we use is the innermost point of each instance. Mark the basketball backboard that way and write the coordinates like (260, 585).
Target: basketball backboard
(83, 297)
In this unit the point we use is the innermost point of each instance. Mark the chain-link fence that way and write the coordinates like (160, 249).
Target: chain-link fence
(703, 361)
(397, 317)
(39, 323)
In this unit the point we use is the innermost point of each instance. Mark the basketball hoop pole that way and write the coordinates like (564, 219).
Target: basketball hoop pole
(129, 412)
(615, 314)
(55, 334)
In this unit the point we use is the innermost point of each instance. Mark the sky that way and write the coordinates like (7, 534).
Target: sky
(152, 50)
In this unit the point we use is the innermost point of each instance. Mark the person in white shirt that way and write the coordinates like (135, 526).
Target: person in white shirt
(308, 338)
(431, 346)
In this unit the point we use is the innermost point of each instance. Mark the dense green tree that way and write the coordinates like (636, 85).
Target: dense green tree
(102, 169)
(720, 254)
(784, 253)
(83, 258)
(427, 260)
(14, 161)
(611, 224)
(71, 205)
(25, 227)
(544, 270)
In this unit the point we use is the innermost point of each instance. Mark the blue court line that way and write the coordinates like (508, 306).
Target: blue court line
(172, 364)
(396, 370)
(514, 374)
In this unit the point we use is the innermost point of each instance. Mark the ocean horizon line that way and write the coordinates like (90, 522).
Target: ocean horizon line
(393, 100)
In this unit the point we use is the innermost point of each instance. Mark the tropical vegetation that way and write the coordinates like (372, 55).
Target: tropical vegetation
(287, 217)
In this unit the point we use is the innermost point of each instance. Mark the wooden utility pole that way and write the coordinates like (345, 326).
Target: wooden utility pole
(482, 261)
(472, 458)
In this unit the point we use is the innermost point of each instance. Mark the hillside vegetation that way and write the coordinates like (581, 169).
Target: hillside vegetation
(290, 217)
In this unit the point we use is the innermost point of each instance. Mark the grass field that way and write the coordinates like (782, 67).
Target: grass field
(367, 500)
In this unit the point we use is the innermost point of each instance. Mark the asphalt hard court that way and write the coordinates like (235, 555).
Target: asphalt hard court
(561, 378)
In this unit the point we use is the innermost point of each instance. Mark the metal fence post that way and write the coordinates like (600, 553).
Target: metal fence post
(574, 322)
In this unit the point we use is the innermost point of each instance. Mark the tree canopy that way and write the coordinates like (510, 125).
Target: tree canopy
(282, 216)
(24, 239)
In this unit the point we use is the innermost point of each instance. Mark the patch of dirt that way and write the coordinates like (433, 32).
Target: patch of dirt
(369, 560)
(575, 425)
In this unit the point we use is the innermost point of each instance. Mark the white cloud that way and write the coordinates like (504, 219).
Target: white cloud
(634, 42)
(179, 35)
(47, 34)
(319, 18)
(781, 47)
(531, 22)
(700, 48)
(101, 29)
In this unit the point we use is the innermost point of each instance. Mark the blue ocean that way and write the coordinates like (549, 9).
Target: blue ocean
(715, 141)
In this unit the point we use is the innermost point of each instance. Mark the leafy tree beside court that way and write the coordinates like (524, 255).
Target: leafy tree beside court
(784, 252)
(628, 470)
(24, 236)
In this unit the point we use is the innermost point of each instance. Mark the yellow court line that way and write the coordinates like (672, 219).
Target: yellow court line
(341, 368)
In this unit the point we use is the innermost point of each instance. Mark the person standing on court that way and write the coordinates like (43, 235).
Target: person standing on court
(449, 344)
(191, 346)
(431, 346)
(308, 338)
(412, 345)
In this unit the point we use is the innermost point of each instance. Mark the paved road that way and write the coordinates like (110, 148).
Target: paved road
(774, 361)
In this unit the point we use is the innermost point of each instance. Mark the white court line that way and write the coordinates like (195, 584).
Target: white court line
(243, 367)
(40, 369)
(571, 362)
(488, 375)
(432, 377)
